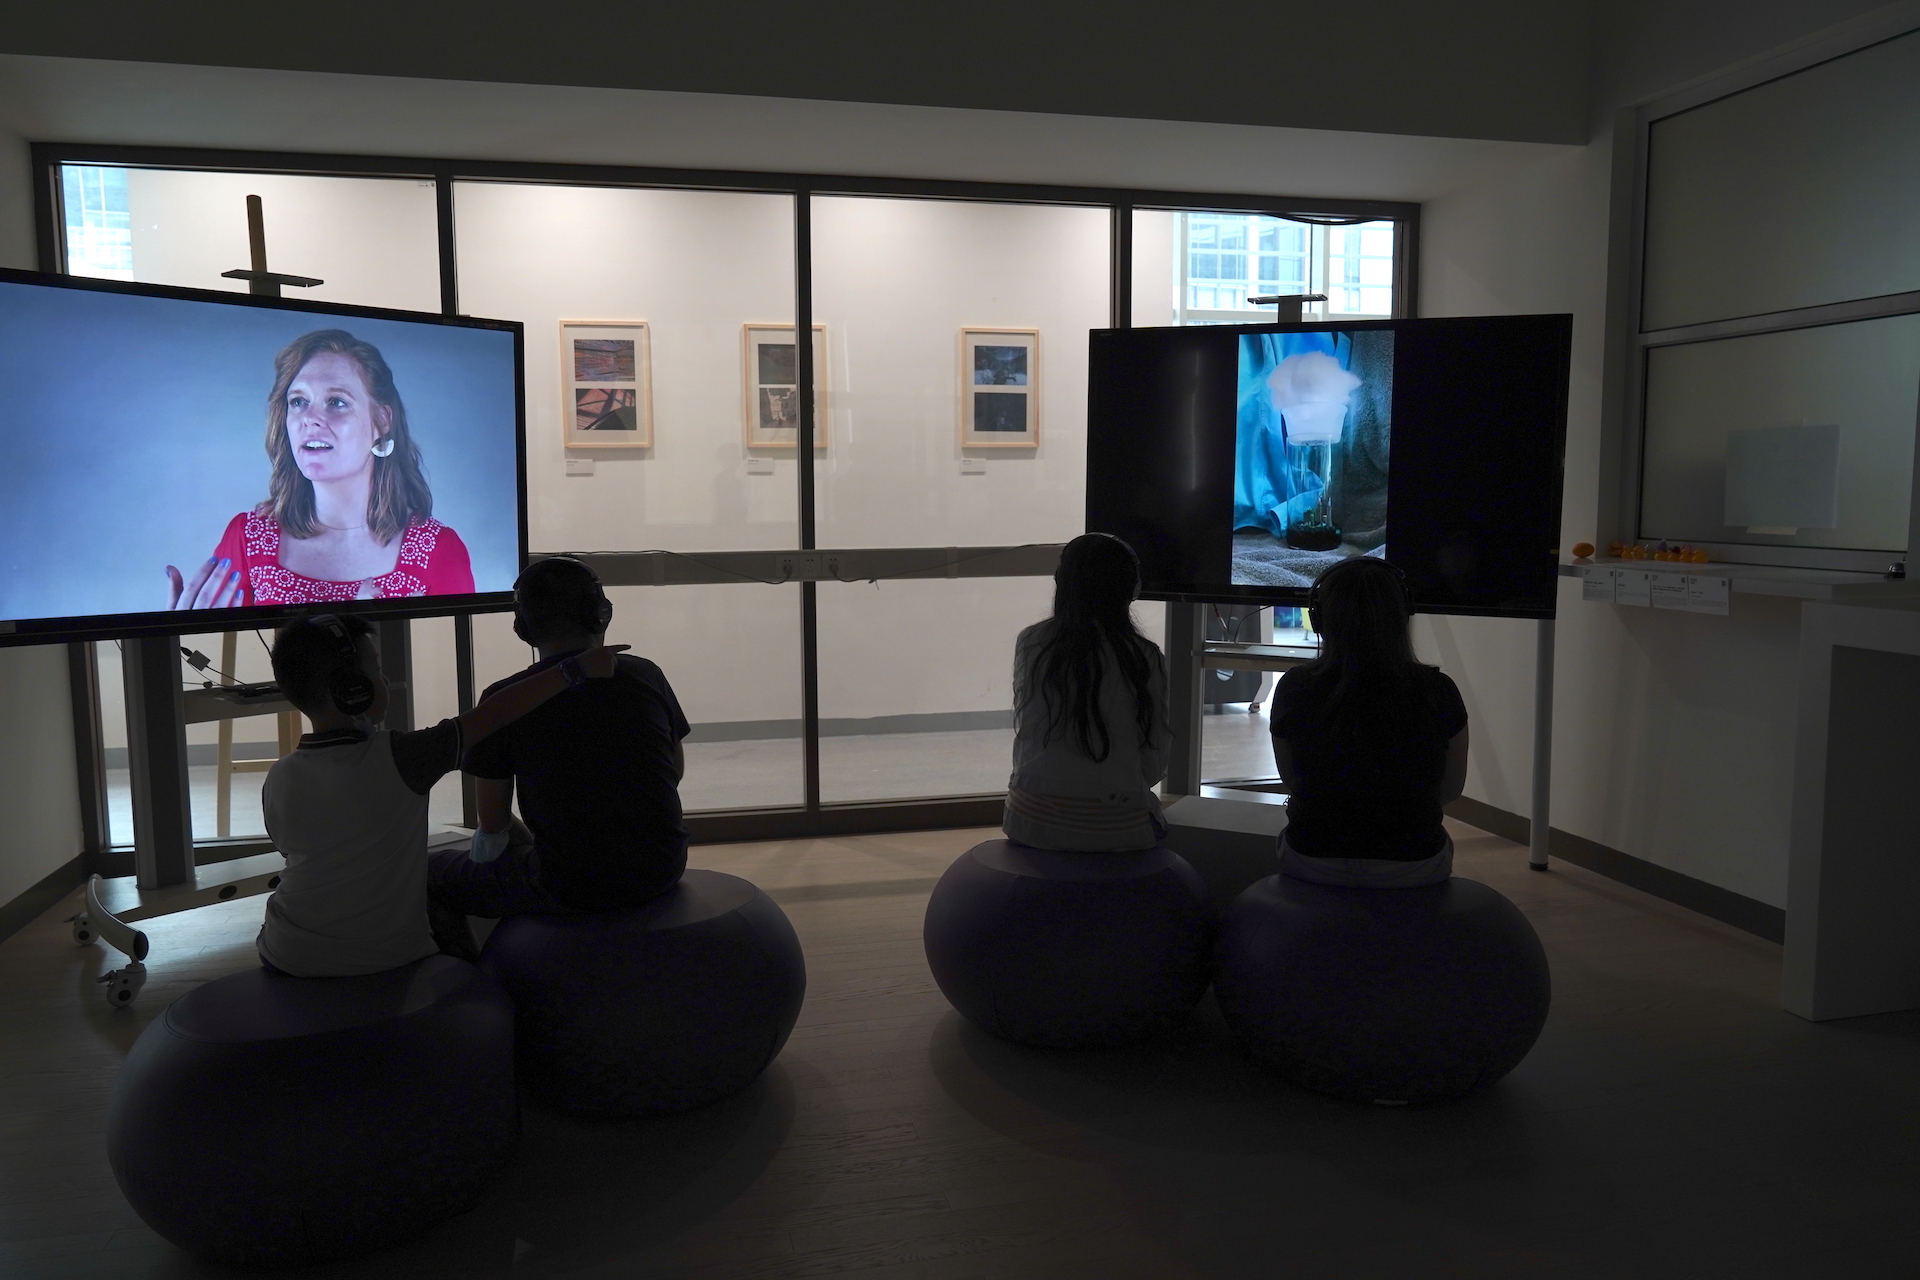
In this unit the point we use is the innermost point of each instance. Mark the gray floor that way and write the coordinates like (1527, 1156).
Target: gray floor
(766, 773)
(1673, 1123)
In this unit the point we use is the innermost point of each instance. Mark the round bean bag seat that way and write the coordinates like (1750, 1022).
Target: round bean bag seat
(270, 1121)
(1382, 995)
(1070, 950)
(662, 1007)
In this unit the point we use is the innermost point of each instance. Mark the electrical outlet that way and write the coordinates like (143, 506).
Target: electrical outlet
(831, 562)
(804, 567)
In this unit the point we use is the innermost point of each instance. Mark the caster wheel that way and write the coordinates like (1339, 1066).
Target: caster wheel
(122, 985)
(83, 934)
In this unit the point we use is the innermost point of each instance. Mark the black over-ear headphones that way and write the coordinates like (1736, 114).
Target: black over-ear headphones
(594, 617)
(348, 686)
(1399, 576)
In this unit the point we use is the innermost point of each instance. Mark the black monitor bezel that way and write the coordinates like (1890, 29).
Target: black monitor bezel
(162, 622)
(1296, 597)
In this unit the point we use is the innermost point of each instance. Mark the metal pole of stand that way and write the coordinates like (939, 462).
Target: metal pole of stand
(157, 761)
(1540, 828)
(464, 699)
(396, 664)
(1184, 629)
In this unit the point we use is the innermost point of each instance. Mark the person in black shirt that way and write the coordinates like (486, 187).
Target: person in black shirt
(1371, 741)
(597, 770)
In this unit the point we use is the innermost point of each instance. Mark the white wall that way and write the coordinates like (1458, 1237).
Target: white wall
(38, 792)
(1672, 732)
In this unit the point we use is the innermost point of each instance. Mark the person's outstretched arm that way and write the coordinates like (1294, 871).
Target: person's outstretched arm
(509, 704)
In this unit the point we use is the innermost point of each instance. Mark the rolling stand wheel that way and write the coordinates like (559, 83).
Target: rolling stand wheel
(122, 985)
(83, 934)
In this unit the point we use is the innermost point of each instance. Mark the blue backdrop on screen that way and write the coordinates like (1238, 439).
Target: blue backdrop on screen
(135, 427)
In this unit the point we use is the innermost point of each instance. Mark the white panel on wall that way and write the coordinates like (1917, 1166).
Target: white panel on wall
(1863, 377)
(1155, 267)
(916, 684)
(1797, 192)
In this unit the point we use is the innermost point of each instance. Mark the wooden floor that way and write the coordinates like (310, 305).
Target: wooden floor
(1672, 1122)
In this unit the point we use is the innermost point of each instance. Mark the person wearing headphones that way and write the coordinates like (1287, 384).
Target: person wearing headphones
(1090, 732)
(348, 807)
(597, 771)
(1370, 741)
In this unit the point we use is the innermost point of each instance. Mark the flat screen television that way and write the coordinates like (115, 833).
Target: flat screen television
(1241, 460)
(181, 460)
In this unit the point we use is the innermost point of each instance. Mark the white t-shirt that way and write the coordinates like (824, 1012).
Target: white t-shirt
(353, 829)
(1060, 797)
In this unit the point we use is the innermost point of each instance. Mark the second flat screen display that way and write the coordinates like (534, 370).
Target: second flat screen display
(1241, 462)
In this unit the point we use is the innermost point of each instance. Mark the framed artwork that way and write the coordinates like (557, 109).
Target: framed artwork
(606, 384)
(771, 386)
(999, 388)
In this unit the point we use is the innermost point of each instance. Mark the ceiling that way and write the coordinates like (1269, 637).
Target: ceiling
(1509, 70)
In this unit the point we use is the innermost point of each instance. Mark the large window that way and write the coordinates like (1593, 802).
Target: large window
(1775, 380)
(99, 226)
(1230, 257)
(802, 696)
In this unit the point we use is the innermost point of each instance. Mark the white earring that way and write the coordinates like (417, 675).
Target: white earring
(384, 448)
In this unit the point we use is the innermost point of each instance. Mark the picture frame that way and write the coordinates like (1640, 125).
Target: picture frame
(606, 384)
(770, 389)
(999, 388)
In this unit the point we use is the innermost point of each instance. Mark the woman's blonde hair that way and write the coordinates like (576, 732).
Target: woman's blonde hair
(399, 494)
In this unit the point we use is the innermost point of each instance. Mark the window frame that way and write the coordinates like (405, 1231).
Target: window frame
(1624, 403)
(812, 817)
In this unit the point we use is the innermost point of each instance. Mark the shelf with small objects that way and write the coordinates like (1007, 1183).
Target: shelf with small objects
(1637, 573)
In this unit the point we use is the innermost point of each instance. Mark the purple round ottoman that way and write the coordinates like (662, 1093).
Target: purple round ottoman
(1382, 995)
(268, 1121)
(1070, 950)
(660, 1008)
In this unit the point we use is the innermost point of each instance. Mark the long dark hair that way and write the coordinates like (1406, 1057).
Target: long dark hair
(399, 494)
(1093, 591)
(1360, 608)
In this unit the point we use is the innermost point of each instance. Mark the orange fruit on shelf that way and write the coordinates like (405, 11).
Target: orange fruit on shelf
(1583, 548)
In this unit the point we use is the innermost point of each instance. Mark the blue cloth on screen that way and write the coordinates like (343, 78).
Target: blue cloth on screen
(1268, 490)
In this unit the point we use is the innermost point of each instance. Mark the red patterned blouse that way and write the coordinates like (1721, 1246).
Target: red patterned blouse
(433, 562)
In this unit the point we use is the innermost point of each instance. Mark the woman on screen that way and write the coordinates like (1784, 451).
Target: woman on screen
(1090, 732)
(348, 514)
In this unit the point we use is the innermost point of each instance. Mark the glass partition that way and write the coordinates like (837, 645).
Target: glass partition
(956, 340)
(661, 382)
(1796, 192)
(697, 269)
(916, 684)
(373, 242)
(658, 291)
(1708, 402)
